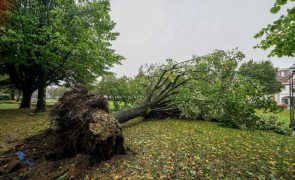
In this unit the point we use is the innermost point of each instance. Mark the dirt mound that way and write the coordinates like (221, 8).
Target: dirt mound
(84, 133)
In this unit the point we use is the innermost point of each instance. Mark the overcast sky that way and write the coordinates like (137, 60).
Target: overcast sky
(153, 30)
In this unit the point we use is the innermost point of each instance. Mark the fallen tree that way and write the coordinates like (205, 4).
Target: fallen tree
(209, 87)
(84, 125)
(162, 83)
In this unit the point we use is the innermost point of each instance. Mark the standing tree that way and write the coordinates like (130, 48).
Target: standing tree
(264, 72)
(49, 41)
(56, 92)
(124, 92)
(279, 35)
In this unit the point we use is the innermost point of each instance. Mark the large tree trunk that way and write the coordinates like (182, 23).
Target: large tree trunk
(159, 111)
(18, 96)
(24, 79)
(41, 102)
(128, 114)
(12, 95)
(26, 99)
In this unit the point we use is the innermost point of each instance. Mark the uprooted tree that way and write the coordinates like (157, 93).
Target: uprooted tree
(209, 87)
(84, 125)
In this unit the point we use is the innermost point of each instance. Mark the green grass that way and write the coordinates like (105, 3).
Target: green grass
(12, 104)
(172, 148)
(196, 149)
(8, 104)
(16, 124)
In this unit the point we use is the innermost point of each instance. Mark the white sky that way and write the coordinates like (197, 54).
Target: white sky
(153, 30)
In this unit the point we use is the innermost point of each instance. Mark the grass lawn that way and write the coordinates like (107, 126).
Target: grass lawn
(171, 149)
(8, 104)
(16, 124)
(12, 104)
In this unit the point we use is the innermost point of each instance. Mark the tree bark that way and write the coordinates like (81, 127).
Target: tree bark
(26, 99)
(18, 96)
(41, 102)
(12, 95)
(128, 114)
(24, 79)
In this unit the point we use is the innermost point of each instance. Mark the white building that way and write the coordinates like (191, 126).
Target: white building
(283, 98)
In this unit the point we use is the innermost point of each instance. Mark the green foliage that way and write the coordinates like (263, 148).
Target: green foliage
(70, 40)
(124, 92)
(264, 72)
(272, 123)
(56, 92)
(283, 115)
(6, 85)
(219, 92)
(280, 35)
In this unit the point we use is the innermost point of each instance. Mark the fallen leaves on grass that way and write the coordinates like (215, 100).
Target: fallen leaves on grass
(180, 149)
(169, 149)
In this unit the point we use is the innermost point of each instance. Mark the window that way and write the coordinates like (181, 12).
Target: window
(285, 101)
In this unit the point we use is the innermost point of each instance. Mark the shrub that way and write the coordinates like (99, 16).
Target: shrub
(272, 123)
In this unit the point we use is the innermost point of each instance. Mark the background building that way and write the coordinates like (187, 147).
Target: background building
(283, 97)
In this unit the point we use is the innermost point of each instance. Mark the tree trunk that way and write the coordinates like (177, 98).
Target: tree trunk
(26, 99)
(128, 114)
(12, 95)
(41, 102)
(18, 96)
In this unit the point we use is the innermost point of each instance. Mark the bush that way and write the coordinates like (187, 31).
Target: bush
(272, 123)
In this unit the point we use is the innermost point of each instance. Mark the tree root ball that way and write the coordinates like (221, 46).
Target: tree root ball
(84, 125)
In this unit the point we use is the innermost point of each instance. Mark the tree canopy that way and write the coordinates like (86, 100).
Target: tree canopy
(49, 41)
(264, 72)
(280, 35)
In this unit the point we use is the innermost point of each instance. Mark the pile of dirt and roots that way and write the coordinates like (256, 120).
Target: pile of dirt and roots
(84, 133)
